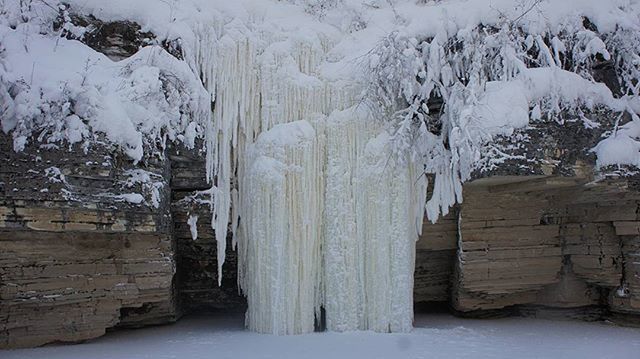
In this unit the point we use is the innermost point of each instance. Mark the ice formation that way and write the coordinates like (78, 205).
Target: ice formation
(281, 233)
(358, 263)
(322, 193)
(193, 226)
(254, 88)
(373, 215)
(329, 220)
(262, 132)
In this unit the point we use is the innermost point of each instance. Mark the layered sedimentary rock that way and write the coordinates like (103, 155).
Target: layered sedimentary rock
(76, 262)
(435, 260)
(506, 254)
(195, 240)
(550, 242)
(85, 244)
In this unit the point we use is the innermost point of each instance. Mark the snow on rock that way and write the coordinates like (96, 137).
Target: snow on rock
(622, 147)
(135, 198)
(62, 90)
(151, 184)
(494, 71)
(54, 174)
(193, 226)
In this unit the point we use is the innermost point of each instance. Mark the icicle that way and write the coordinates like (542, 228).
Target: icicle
(251, 93)
(372, 205)
(361, 270)
(343, 292)
(193, 226)
(280, 250)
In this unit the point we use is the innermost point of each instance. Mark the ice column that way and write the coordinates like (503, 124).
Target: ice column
(257, 80)
(361, 269)
(372, 221)
(343, 249)
(280, 245)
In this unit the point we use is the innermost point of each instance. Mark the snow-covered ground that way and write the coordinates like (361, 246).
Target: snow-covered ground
(435, 336)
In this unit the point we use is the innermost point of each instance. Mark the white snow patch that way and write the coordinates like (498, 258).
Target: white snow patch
(193, 226)
(151, 183)
(135, 198)
(435, 336)
(54, 174)
(62, 90)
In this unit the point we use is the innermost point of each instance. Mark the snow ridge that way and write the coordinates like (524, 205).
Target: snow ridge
(56, 90)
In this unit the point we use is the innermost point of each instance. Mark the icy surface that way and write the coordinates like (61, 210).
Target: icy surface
(434, 336)
(329, 219)
(370, 212)
(281, 233)
(193, 226)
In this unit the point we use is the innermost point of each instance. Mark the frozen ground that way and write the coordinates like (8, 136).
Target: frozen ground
(435, 336)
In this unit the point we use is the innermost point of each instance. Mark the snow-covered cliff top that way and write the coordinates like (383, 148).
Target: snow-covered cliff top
(114, 98)
(495, 65)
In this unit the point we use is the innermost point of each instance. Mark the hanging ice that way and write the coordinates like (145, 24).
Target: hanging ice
(256, 83)
(328, 220)
(283, 133)
(370, 217)
(280, 247)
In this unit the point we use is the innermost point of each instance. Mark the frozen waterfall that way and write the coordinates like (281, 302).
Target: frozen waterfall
(372, 214)
(329, 221)
(281, 232)
(321, 213)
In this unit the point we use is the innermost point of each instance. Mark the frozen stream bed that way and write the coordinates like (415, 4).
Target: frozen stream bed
(435, 336)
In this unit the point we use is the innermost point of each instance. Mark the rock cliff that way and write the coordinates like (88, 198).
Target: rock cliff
(90, 240)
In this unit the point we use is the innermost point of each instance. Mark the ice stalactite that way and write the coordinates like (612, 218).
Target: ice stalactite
(225, 60)
(343, 273)
(280, 248)
(256, 82)
(276, 129)
(193, 226)
(328, 219)
(372, 206)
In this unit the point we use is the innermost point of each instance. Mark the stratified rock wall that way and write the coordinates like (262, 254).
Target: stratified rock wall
(553, 242)
(507, 253)
(90, 241)
(75, 256)
(197, 275)
(435, 259)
